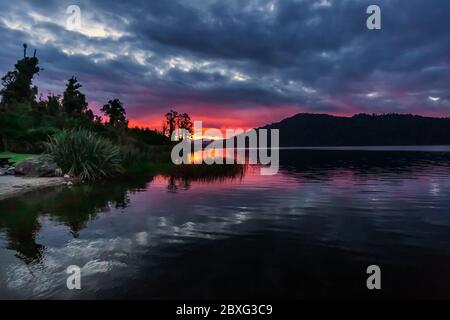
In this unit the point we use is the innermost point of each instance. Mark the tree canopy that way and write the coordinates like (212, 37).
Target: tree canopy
(74, 102)
(175, 120)
(26, 123)
(18, 83)
(115, 111)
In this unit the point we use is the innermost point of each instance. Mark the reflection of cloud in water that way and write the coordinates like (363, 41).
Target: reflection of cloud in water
(97, 266)
(142, 238)
(107, 255)
(340, 207)
(39, 279)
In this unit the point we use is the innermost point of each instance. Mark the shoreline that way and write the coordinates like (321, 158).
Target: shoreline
(12, 186)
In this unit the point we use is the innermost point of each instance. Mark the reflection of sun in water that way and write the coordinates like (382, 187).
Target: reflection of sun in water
(216, 153)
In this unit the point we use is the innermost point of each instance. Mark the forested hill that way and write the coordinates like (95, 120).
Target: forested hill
(362, 129)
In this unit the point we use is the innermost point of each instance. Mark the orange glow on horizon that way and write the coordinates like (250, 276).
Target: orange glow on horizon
(221, 117)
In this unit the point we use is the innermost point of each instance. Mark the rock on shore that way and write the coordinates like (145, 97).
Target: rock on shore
(36, 168)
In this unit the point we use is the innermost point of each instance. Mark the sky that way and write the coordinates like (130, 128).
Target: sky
(238, 63)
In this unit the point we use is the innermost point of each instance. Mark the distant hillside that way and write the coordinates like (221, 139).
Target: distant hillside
(362, 129)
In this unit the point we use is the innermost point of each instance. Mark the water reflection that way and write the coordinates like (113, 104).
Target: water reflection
(220, 155)
(75, 207)
(233, 233)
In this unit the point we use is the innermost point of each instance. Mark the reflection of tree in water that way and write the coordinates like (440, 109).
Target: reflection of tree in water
(74, 207)
(181, 177)
(21, 236)
(175, 184)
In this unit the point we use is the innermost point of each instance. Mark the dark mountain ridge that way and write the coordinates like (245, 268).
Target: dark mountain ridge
(306, 129)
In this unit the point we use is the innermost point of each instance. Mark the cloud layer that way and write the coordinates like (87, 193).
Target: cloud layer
(239, 62)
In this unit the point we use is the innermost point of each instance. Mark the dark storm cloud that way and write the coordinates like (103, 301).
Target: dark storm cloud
(316, 55)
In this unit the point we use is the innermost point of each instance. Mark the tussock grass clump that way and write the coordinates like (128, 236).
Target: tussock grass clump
(84, 154)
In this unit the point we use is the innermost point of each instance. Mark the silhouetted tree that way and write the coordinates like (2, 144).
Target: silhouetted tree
(12, 126)
(98, 120)
(25, 123)
(175, 120)
(116, 113)
(53, 105)
(17, 84)
(90, 115)
(74, 102)
(171, 122)
(184, 122)
(148, 136)
(165, 129)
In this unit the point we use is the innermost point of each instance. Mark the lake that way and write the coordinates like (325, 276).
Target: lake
(308, 232)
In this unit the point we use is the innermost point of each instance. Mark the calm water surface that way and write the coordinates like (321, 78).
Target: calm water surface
(308, 232)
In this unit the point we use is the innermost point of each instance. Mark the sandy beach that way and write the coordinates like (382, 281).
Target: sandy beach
(11, 186)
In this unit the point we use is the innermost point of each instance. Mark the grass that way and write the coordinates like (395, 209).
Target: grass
(84, 154)
(193, 172)
(16, 158)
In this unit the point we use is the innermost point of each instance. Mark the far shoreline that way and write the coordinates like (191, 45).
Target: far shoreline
(399, 148)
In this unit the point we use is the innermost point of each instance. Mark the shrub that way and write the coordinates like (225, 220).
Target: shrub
(84, 154)
(131, 155)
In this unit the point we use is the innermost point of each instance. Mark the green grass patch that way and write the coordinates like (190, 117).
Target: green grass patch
(16, 158)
